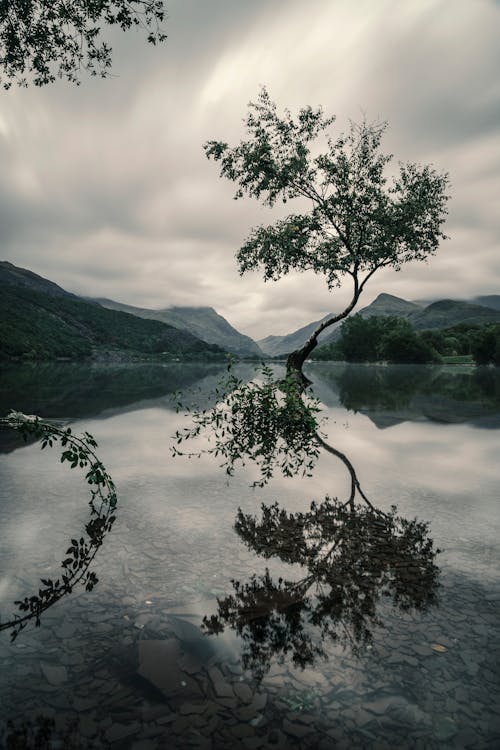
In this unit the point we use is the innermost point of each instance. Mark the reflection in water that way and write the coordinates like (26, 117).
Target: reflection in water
(395, 393)
(68, 390)
(81, 390)
(352, 556)
(173, 553)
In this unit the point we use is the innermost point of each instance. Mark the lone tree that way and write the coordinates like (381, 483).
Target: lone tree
(49, 39)
(358, 222)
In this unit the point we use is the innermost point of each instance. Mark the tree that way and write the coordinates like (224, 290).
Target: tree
(358, 222)
(486, 347)
(49, 40)
(360, 338)
(403, 345)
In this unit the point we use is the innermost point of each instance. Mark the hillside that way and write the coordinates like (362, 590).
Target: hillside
(45, 325)
(384, 304)
(447, 313)
(203, 322)
(20, 277)
(437, 315)
(488, 300)
(276, 345)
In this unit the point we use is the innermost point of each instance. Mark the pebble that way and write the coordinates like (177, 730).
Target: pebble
(55, 675)
(399, 694)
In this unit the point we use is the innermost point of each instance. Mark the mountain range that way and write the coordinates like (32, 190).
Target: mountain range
(41, 320)
(440, 314)
(203, 322)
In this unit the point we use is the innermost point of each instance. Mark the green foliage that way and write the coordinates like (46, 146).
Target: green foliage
(328, 352)
(358, 222)
(486, 347)
(34, 325)
(458, 359)
(389, 339)
(481, 343)
(266, 422)
(57, 39)
(402, 345)
(360, 338)
(78, 451)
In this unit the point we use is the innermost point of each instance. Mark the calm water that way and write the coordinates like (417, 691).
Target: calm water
(127, 665)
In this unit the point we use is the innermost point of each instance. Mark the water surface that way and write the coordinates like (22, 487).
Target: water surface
(129, 662)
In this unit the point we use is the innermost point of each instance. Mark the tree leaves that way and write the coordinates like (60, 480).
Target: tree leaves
(357, 223)
(79, 556)
(265, 421)
(57, 39)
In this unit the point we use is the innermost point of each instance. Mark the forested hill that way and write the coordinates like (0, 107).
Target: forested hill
(203, 322)
(437, 315)
(20, 277)
(39, 320)
(383, 305)
(448, 312)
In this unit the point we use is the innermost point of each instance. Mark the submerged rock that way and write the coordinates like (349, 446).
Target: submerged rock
(159, 664)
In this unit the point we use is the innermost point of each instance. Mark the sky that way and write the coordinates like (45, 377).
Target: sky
(105, 188)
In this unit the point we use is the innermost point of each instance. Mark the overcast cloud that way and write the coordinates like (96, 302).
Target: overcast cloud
(105, 188)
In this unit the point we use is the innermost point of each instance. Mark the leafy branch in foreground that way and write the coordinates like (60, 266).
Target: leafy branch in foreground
(266, 422)
(78, 452)
(59, 38)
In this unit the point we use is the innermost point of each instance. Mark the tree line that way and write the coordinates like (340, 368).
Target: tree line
(392, 339)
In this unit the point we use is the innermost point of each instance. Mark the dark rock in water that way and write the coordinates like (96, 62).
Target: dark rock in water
(54, 674)
(159, 664)
(118, 732)
(444, 728)
(196, 644)
(296, 730)
(185, 630)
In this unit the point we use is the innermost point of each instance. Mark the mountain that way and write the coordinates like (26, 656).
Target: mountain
(441, 314)
(448, 312)
(384, 304)
(488, 300)
(276, 345)
(20, 277)
(203, 322)
(39, 320)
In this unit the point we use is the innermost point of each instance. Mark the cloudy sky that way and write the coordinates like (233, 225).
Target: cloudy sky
(105, 188)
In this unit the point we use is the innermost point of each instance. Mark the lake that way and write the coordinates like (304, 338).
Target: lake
(392, 654)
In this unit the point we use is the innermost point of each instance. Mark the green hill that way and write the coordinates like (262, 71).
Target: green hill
(437, 315)
(447, 313)
(383, 305)
(488, 300)
(203, 322)
(38, 325)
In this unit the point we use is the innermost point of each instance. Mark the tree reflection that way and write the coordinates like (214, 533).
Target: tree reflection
(351, 557)
(382, 387)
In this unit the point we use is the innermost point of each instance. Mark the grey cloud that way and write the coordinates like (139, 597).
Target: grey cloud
(106, 190)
